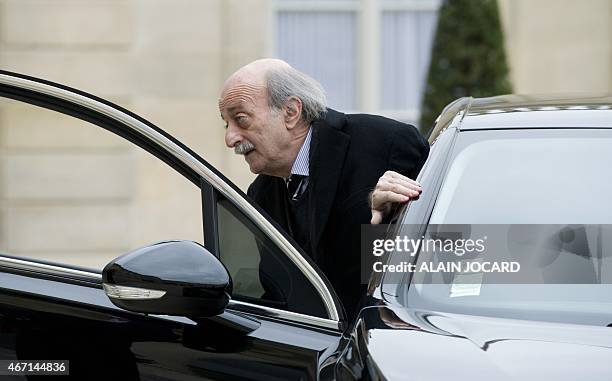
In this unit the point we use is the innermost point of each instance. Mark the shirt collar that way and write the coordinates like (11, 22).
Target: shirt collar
(300, 165)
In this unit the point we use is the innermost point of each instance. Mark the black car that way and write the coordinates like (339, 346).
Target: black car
(535, 164)
(178, 310)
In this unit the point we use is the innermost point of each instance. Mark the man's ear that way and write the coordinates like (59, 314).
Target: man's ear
(293, 112)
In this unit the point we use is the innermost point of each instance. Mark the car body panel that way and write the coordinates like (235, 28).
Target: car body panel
(526, 111)
(400, 343)
(44, 319)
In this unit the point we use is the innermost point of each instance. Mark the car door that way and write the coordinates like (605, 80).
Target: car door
(283, 321)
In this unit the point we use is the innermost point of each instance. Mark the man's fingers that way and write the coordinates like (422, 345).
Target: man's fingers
(407, 184)
(391, 188)
(377, 217)
(381, 198)
(403, 190)
(397, 176)
(396, 186)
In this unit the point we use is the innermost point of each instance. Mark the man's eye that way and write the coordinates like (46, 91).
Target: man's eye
(241, 120)
(225, 126)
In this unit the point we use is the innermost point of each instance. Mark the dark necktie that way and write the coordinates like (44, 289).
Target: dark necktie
(295, 186)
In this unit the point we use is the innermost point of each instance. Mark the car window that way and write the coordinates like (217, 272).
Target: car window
(74, 193)
(260, 271)
(527, 177)
(547, 193)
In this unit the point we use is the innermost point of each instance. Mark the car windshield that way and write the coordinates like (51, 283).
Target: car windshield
(543, 184)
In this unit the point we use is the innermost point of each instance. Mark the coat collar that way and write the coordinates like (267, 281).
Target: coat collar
(329, 150)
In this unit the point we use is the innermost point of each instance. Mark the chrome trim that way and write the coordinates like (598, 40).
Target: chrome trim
(131, 293)
(255, 309)
(192, 163)
(24, 264)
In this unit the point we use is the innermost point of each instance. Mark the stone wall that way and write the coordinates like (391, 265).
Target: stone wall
(559, 46)
(71, 193)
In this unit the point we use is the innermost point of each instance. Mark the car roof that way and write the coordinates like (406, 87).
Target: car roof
(527, 111)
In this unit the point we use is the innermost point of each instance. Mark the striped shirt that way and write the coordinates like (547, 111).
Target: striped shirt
(300, 165)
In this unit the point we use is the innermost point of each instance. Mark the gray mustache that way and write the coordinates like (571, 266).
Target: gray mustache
(243, 148)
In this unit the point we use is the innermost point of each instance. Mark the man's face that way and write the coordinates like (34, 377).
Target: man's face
(252, 129)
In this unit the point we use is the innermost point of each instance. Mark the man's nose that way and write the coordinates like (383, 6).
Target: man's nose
(232, 136)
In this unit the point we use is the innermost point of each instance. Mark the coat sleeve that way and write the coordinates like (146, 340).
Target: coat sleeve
(408, 152)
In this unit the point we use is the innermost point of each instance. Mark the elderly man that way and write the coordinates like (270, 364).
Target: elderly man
(318, 167)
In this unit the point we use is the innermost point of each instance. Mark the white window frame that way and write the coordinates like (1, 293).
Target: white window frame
(369, 14)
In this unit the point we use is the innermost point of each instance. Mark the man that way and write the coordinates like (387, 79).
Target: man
(316, 166)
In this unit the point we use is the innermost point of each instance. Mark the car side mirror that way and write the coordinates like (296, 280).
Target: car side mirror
(169, 278)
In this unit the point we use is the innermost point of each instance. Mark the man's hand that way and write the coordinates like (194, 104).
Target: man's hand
(391, 188)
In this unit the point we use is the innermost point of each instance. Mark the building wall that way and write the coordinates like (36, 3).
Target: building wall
(559, 46)
(164, 60)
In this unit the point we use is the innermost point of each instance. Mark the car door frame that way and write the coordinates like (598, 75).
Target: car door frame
(212, 183)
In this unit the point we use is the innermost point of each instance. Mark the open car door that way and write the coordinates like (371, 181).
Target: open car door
(282, 320)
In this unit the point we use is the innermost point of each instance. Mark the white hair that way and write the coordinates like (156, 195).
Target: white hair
(286, 82)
